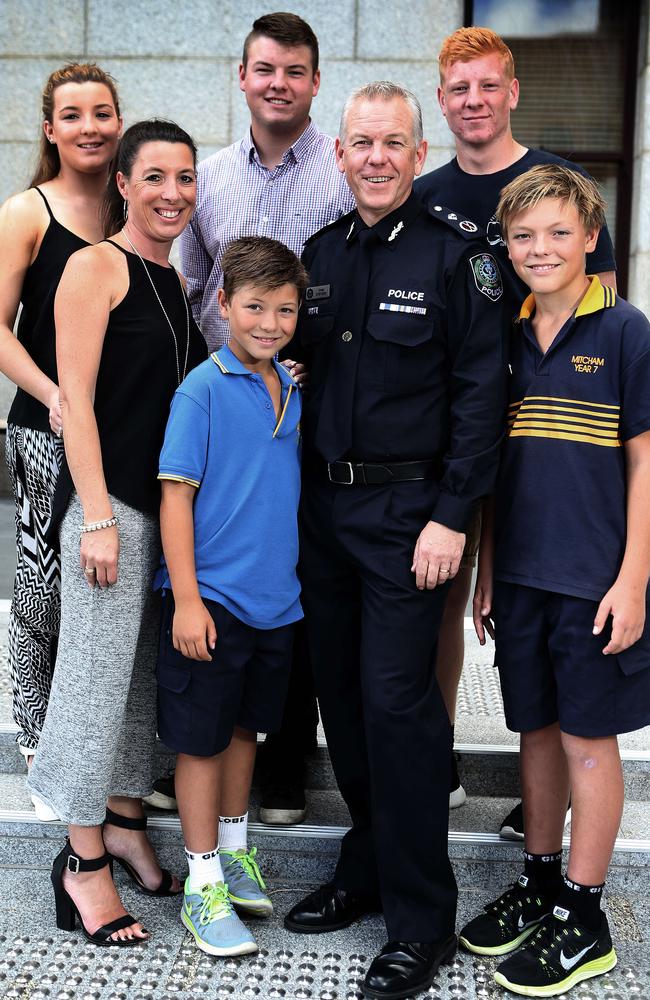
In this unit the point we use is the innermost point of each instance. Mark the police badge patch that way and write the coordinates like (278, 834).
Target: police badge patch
(487, 276)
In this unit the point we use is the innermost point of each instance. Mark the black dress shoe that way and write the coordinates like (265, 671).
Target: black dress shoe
(403, 968)
(328, 909)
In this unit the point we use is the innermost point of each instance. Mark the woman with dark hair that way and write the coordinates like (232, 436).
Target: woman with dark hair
(125, 341)
(39, 229)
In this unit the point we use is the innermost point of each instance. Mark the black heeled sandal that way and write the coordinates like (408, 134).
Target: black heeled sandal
(130, 823)
(66, 908)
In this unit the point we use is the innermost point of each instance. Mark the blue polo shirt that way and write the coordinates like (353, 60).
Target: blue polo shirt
(561, 493)
(223, 438)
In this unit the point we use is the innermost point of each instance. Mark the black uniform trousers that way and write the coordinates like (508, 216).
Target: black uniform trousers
(373, 639)
(285, 751)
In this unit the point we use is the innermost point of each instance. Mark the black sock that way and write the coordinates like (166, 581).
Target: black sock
(583, 901)
(546, 872)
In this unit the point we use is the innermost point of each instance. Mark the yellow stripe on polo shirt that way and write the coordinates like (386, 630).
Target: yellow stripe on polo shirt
(540, 413)
(179, 479)
(564, 436)
(583, 421)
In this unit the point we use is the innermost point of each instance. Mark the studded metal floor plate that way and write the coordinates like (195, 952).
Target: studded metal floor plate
(48, 969)
(479, 693)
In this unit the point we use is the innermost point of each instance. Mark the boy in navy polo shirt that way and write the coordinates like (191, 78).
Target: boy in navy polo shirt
(230, 488)
(563, 572)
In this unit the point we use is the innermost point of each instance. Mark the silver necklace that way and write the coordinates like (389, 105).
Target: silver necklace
(164, 311)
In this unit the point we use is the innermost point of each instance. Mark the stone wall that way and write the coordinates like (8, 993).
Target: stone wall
(180, 61)
(639, 285)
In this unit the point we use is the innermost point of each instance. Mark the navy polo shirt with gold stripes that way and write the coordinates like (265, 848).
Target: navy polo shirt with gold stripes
(561, 494)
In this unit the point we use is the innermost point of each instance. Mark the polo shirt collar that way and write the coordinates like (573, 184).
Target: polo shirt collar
(229, 364)
(597, 297)
(390, 228)
(295, 152)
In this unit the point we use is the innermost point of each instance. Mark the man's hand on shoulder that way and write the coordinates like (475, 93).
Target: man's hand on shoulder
(437, 555)
(297, 371)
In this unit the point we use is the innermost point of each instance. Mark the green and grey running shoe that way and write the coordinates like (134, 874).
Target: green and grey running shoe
(508, 921)
(560, 954)
(209, 917)
(246, 887)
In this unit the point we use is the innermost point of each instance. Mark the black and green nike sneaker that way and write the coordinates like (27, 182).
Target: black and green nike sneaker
(560, 954)
(508, 921)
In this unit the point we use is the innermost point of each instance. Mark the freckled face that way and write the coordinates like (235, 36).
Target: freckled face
(476, 98)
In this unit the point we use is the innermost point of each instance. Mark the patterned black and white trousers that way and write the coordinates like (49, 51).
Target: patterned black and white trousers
(34, 460)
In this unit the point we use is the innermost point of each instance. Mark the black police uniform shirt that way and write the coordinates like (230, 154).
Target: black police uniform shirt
(561, 492)
(477, 196)
(405, 337)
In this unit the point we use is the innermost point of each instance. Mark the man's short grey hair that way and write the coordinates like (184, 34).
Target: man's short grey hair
(384, 90)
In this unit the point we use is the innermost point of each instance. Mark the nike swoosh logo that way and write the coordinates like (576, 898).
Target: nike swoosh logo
(523, 924)
(568, 963)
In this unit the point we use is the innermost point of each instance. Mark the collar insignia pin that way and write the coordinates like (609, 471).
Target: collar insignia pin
(398, 228)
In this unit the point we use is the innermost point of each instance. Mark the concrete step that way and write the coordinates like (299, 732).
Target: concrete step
(485, 769)
(473, 835)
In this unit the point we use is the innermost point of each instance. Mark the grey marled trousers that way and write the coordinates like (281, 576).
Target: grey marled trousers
(99, 732)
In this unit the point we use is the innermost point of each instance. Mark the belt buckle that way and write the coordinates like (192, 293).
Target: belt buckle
(335, 481)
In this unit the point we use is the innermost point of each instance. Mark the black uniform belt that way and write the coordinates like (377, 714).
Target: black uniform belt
(378, 473)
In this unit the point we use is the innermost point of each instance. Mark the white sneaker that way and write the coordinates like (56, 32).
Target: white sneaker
(43, 812)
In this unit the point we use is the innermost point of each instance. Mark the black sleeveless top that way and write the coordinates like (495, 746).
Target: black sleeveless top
(36, 324)
(136, 380)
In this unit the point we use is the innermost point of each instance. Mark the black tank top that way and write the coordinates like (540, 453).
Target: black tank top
(136, 380)
(36, 324)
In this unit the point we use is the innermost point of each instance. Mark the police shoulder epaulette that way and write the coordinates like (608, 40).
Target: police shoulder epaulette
(341, 221)
(457, 221)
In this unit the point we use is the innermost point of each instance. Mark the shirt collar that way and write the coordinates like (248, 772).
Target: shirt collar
(390, 228)
(295, 152)
(229, 364)
(597, 297)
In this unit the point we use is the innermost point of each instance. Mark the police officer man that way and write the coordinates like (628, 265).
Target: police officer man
(403, 333)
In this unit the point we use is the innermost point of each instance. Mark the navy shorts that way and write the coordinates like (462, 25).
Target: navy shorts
(200, 702)
(552, 667)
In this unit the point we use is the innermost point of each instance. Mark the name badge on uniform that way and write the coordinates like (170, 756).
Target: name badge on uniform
(318, 292)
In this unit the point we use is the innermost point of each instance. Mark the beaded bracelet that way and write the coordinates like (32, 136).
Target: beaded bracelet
(110, 522)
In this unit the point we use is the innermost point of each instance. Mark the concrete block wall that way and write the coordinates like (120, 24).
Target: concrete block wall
(180, 61)
(639, 286)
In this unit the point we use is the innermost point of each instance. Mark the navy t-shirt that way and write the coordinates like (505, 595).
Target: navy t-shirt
(477, 197)
(561, 492)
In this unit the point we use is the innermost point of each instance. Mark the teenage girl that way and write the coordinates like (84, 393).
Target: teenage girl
(39, 230)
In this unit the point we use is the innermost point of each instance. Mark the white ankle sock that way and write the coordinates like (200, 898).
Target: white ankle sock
(233, 832)
(204, 868)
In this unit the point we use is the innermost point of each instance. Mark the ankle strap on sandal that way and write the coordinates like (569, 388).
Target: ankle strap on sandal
(125, 822)
(75, 864)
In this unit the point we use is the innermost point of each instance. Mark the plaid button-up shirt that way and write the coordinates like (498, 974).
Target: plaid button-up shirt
(238, 196)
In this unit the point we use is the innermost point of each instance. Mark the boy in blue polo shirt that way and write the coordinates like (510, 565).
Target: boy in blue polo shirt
(564, 575)
(230, 488)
